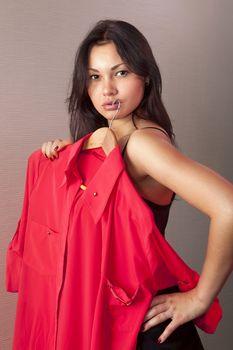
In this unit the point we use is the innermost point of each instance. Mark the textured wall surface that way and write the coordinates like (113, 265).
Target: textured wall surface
(192, 42)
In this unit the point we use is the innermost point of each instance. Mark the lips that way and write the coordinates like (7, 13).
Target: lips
(111, 103)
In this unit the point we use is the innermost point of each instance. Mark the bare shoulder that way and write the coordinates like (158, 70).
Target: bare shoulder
(144, 148)
(149, 125)
(148, 141)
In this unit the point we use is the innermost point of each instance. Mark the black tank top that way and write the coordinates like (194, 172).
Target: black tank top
(160, 212)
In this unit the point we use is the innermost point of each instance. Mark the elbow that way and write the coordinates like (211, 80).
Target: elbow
(222, 206)
(227, 207)
(224, 211)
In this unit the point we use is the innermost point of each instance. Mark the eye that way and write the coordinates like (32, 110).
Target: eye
(93, 77)
(122, 73)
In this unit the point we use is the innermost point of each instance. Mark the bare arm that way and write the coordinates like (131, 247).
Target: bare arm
(205, 190)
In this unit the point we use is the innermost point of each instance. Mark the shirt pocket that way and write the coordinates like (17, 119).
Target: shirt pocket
(122, 305)
(42, 247)
(120, 296)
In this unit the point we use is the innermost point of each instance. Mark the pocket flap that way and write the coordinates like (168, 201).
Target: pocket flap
(121, 295)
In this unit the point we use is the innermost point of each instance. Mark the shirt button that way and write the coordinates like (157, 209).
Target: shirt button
(49, 233)
(94, 194)
(83, 187)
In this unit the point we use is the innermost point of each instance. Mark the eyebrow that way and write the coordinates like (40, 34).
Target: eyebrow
(114, 67)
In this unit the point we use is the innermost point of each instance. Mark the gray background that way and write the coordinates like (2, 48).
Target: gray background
(192, 42)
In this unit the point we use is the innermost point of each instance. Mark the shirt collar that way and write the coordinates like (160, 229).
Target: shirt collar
(100, 187)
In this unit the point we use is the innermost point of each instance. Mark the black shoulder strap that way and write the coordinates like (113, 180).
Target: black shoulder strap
(146, 127)
(154, 127)
(124, 148)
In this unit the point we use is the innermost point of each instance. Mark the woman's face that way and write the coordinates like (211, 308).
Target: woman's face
(110, 79)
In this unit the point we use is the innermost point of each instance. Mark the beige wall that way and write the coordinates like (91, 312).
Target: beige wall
(192, 41)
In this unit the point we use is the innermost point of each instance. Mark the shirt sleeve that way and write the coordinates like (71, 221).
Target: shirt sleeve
(169, 269)
(15, 249)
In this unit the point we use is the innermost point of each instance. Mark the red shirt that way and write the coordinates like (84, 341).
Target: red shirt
(87, 262)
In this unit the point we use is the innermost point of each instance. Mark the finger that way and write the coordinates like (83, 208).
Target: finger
(154, 321)
(155, 310)
(43, 149)
(168, 330)
(160, 299)
(57, 144)
(48, 149)
(53, 152)
(51, 148)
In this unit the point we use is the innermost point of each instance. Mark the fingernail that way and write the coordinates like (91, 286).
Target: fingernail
(56, 148)
(143, 328)
(158, 341)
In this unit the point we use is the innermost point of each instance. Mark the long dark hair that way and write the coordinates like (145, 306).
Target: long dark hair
(134, 49)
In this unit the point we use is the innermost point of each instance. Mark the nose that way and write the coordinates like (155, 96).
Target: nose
(109, 88)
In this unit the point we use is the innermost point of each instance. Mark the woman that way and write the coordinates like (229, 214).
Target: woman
(117, 85)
